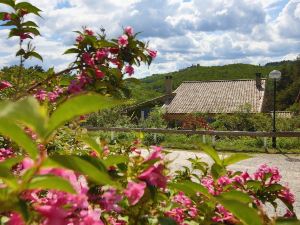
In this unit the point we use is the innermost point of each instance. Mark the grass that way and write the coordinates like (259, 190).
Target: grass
(191, 142)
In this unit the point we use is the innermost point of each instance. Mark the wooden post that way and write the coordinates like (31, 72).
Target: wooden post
(155, 138)
(204, 139)
(142, 115)
(265, 142)
(112, 135)
(214, 141)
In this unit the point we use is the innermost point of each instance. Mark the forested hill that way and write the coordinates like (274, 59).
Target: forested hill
(289, 85)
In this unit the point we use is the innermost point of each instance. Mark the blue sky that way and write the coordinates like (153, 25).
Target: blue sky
(185, 32)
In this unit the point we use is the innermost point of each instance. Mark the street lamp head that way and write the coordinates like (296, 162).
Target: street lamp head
(275, 74)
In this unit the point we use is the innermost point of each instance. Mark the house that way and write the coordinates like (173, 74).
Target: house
(215, 96)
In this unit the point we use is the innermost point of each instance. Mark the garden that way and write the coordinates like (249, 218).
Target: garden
(53, 172)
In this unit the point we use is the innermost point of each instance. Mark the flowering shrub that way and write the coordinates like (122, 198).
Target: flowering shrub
(94, 184)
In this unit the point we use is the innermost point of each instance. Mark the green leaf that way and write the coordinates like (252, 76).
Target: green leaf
(240, 210)
(212, 153)
(274, 187)
(7, 24)
(72, 51)
(15, 133)
(92, 143)
(7, 176)
(8, 2)
(23, 209)
(234, 158)
(29, 7)
(105, 44)
(253, 184)
(236, 195)
(84, 167)
(217, 171)
(190, 188)
(9, 163)
(20, 52)
(115, 160)
(51, 182)
(77, 106)
(284, 221)
(33, 54)
(29, 24)
(27, 111)
(166, 221)
(32, 30)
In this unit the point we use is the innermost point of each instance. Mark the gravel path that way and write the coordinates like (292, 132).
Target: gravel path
(289, 166)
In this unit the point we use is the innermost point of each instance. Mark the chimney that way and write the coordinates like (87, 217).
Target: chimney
(168, 85)
(258, 80)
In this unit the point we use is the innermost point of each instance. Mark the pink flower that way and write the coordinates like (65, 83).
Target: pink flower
(193, 211)
(6, 16)
(27, 163)
(129, 31)
(89, 32)
(208, 182)
(265, 171)
(52, 96)
(129, 69)
(93, 153)
(182, 199)
(176, 214)
(287, 195)
(83, 78)
(155, 155)
(116, 62)
(79, 39)
(5, 84)
(152, 53)
(224, 180)
(92, 218)
(289, 214)
(154, 176)
(41, 95)
(75, 87)
(245, 176)
(114, 50)
(24, 36)
(135, 191)
(222, 215)
(101, 54)
(110, 199)
(30, 133)
(106, 151)
(6, 153)
(123, 40)
(99, 74)
(113, 221)
(87, 58)
(53, 215)
(15, 219)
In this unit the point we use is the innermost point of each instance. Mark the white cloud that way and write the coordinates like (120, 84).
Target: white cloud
(209, 32)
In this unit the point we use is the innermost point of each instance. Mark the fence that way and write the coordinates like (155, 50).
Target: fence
(204, 133)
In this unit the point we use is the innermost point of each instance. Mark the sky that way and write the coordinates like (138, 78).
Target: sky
(184, 32)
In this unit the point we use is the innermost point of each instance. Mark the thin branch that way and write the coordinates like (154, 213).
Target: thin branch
(46, 80)
(50, 78)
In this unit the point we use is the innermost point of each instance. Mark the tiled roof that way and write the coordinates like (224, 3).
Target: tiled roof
(220, 96)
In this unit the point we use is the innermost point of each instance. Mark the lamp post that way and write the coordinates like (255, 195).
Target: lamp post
(275, 75)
